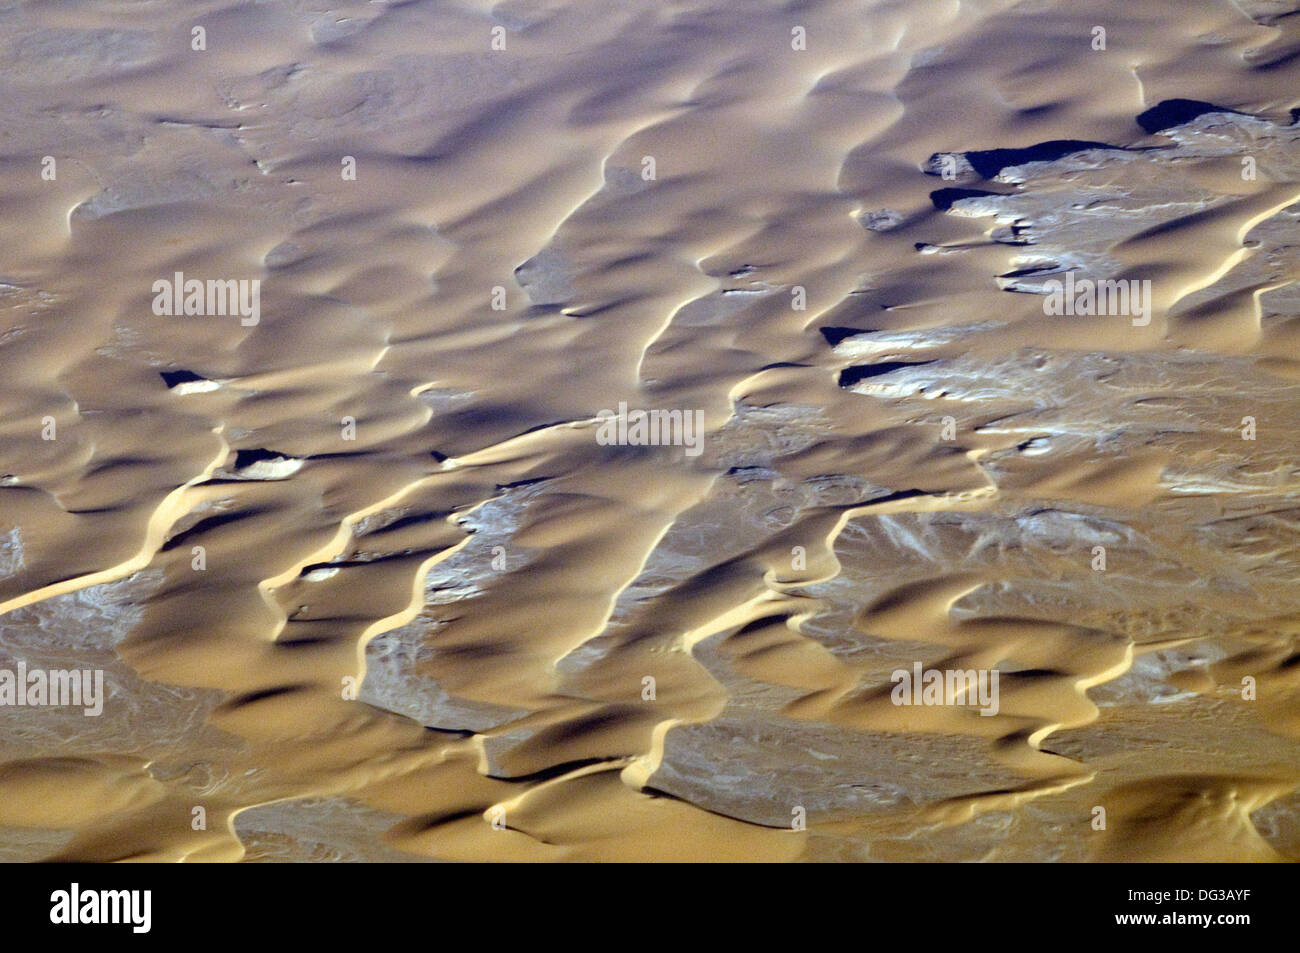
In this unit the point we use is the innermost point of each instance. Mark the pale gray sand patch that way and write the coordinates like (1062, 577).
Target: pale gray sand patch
(319, 830)
(11, 553)
(547, 277)
(54, 55)
(760, 770)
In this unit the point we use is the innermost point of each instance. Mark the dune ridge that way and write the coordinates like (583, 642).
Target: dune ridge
(430, 598)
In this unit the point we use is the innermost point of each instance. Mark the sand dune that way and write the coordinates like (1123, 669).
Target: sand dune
(367, 581)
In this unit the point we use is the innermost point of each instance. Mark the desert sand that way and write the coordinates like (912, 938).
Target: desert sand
(364, 583)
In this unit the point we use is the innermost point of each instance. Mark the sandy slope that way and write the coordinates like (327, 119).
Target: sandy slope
(497, 583)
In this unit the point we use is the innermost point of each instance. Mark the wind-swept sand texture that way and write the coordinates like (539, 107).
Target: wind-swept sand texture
(364, 582)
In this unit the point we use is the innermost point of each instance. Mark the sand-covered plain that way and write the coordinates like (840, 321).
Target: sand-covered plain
(364, 582)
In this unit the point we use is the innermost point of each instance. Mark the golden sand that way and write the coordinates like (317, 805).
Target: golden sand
(364, 581)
